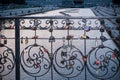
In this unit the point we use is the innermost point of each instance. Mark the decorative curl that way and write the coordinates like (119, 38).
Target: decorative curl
(7, 61)
(101, 63)
(35, 60)
(68, 61)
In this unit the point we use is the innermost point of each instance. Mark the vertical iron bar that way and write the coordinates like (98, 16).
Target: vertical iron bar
(51, 60)
(101, 40)
(68, 33)
(35, 36)
(119, 29)
(68, 78)
(85, 43)
(17, 49)
(51, 56)
(85, 55)
(35, 78)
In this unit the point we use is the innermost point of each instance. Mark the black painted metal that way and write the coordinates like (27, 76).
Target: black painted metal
(68, 61)
(17, 49)
(4, 59)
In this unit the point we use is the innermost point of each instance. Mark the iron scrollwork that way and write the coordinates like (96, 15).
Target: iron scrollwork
(67, 24)
(34, 60)
(68, 61)
(31, 23)
(103, 62)
(52, 23)
(7, 61)
(7, 23)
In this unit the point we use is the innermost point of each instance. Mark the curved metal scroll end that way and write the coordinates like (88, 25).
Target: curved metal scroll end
(101, 46)
(35, 44)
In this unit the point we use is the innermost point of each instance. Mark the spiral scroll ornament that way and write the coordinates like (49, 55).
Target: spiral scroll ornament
(103, 62)
(68, 61)
(7, 61)
(35, 60)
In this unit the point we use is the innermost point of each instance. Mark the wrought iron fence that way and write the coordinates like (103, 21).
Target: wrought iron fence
(58, 48)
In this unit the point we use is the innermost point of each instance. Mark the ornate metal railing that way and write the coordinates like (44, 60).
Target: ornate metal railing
(58, 48)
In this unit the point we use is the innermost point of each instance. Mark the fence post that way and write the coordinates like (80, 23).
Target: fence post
(17, 49)
(0, 77)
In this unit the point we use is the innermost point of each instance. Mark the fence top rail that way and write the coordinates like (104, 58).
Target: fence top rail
(62, 17)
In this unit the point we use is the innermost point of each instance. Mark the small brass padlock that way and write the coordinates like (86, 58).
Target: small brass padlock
(5, 40)
(26, 40)
(21, 40)
(84, 36)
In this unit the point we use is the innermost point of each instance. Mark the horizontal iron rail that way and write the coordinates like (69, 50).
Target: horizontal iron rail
(69, 29)
(62, 38)
(62, 17)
